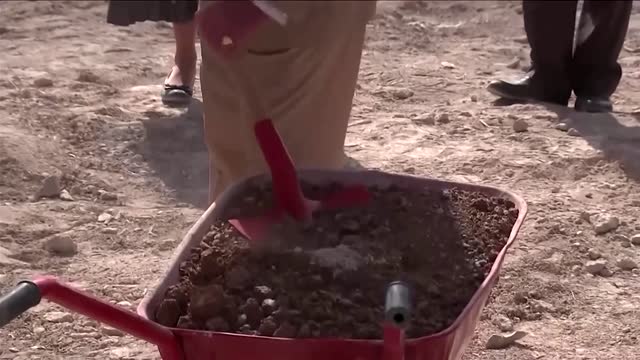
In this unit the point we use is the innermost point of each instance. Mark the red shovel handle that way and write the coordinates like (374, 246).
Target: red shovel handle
(286, 186)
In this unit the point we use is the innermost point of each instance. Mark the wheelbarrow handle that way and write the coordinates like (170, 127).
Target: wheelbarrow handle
(29, 293)
(22, 298)
(397, 310)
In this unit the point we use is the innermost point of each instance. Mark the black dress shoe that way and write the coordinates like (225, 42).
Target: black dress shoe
(530, 89)
(596, 104)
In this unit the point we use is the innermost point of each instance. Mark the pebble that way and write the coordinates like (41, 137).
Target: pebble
(627, 264)
(594, 254)
(110, 231)
(61, 245)
(427, 119)
(64, 195)
(520, 125)
(107, 196)
(635, 239)
(38, 330)
(604, 223)
(43, 82)
(573, 132)
(58, 317)
(443, 118)
(267, 327)
(562, 126)
(595, 267)
(109, 331)
(268, 306)
(105, 217)
(263, 291)
(503, 323)
(285, 330)
(50, 187)
(401, 94)
(474, 98)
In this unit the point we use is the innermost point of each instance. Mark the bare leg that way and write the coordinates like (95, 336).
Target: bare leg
(185, 57)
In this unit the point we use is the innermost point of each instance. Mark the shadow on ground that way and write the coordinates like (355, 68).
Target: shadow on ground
(617, 135)
(174, 148)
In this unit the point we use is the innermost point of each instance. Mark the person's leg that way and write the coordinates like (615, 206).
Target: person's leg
(185, 56)
(307, 88)
(178, 86)
(549, 26)
(595, 70)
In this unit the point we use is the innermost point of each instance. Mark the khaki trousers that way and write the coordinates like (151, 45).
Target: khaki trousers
(305, 75)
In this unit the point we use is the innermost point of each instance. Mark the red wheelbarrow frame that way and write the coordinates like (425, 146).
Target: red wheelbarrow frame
(182, 344)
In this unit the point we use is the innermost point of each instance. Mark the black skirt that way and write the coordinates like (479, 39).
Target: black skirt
(127, 12)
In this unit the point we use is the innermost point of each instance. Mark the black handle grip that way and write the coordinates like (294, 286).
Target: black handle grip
(25, 296)
(397, 305)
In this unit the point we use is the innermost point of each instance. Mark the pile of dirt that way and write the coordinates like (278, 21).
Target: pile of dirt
(328, 278)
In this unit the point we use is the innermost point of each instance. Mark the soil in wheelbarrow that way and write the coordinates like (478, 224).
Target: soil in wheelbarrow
(328, 278)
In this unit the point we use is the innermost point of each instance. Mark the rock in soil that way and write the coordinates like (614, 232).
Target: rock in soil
(627, 264)
(603, 223)
(61, 245)
(635, 240)
(520, 125)
(328, 278)
(50, 188)
(58, 317)
(595, 267)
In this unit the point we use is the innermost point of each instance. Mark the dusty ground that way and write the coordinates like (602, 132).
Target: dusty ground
(99, 125)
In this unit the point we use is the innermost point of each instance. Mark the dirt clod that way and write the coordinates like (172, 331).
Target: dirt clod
(311, 284)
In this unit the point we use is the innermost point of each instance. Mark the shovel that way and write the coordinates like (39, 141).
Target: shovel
(289, 199)
(224, 25)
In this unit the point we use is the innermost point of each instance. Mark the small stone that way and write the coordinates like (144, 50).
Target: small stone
(263, 292)
(500, 341)
(268, 306)
(621, 238)
(43, 82)
(217, 324)
(594, 254)
(61, 245)
(125, 304)
(107, 196)
(443, 118)
(573, 132)
(253, 311)
(105, 218)
(109, 331)
(604, 223)
(635, 240)
(50, 187)
(474, 98)
(626, 264)
(427, 119)
(562, 126)
(267, 327)
(401, 94)
(38, 330)
(58, 317)
(64, 195)
(520, 125)
(503, 323)
(110, 231)
(285, 330)
(606, 273)
(237, 278)
(594, 267)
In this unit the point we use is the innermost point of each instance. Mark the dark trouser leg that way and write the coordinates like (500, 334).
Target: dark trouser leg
(595, 69)
(550, 26)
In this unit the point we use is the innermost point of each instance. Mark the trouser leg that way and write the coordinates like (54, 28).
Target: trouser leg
(595, 70)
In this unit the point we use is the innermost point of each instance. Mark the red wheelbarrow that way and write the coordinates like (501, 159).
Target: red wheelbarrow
(182, 344)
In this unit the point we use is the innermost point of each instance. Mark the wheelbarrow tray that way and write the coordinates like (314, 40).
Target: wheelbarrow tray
(448, 344)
